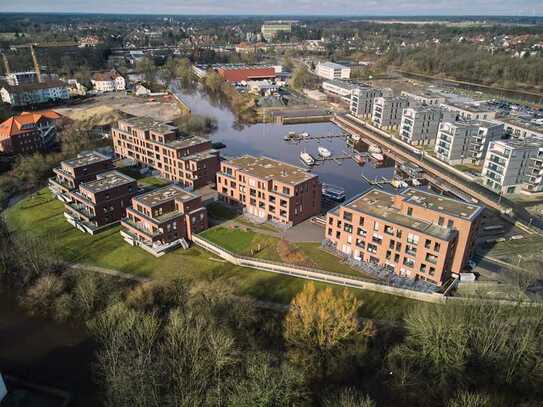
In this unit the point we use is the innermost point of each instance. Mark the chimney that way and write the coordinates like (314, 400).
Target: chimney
(35, 60)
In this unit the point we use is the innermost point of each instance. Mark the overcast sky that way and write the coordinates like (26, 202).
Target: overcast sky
(276, 7)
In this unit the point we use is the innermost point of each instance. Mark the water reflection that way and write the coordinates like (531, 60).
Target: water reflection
(267, 139)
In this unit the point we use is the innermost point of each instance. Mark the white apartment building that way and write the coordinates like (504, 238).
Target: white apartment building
(331, 70)
(336, 87)
(488, 131)
(425, 98)
(34, 93)
(453, 141)
(110, 81)
(420, 124)
(513, 166)
(523, 130)
(387, 111)
(471, 111)
(362, 100)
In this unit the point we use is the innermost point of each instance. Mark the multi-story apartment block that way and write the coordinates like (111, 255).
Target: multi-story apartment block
(424, 98)
(71, 173)
(415, 234)
(191, 161)
(34, 93)
(28, 132)
(269, 189)
(523, 129)
(362, 99)
(387, 111)
(331, 70)
(513, 166)
(420, 124)
(471, 111)
(270, 29)
(163, 219)
(101, 203)
(466, 141)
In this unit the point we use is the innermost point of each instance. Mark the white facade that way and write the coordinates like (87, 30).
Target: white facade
(427, 99)
(453, 141)
(488, 131)
(522, 132)
(420, 125)
(339, 88)
(387, 111)
(513, 166)
(362, 99)
(330, 70)
(108, 82)
(34, 94)
(471, 111)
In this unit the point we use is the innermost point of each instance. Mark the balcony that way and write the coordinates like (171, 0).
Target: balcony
(140, 227)
(81, 210)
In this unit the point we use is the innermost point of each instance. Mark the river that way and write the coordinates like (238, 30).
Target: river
(267, 140)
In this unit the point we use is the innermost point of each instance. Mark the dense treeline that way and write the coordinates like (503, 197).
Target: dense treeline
(467, 62)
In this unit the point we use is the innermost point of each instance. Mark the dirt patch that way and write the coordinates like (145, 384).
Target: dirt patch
(292, 255)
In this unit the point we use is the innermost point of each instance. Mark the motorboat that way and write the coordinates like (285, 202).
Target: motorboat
(307, 158)
(332, 192)
(377, 156)
(374, 149)
(324, 152)
(359, 159)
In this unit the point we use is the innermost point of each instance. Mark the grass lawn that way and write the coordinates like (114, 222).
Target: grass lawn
(510, 249)
(42, 216)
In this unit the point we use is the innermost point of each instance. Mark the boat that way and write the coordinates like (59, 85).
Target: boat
(355, 137)
(416, 182)
(304, 135)
(332, 192)
(377, 156)
(374, 149)
(307, 158)
(324, 152)
(359, 159)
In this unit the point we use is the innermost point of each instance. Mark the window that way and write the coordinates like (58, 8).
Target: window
(347, 216)
(423, 268)
(450, 223)
(348, 228)
(361, 232)
(389, 230)
(376, 226)
(408, 262)
(413, 239)
(372, 248)
(329, 231)
(391, 244)
(432, 271)
(410, 250)
(330, 220)
(431, 258)
(409, 211)
(437, 246)
(377, 239)
(361, 221)
(360, 243)
(427, 243)
(441, 221)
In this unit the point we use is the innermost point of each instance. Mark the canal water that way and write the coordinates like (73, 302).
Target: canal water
(267, 140)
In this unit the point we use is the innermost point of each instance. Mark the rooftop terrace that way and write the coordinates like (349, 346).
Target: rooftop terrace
(85, 159)
(381, 205)
(268, 169)
(150, 124)
(106, 181)
(187, 142)
(470, 107)
(441, 203)
(161, 195)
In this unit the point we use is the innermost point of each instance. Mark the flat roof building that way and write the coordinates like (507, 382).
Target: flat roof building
(191, 161)
(101, 203)
(415, 234)
(246, 73)
(471, 111)
(71, 173)
(420, 124)
(331, 70)
(387, 111)
(424, 98)
(269, 190)
(513, 166)
(362, 99)
(34, 93)
(163, 219)
(340, 88)
(270, 29)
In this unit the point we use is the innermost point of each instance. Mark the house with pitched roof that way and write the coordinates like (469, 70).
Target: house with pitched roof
(28, 132)
(109, 81)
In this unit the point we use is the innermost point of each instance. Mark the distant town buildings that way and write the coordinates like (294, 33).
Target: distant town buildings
(238, 73)
(270, 29)
(109, 81)
(415, 234)
(513, 166)
(99, 204)
(163, 219)
(191, 161)
(331, 70)
(34, 93)
(73, 172)
(21, 78)
(89, 41)
(387, 111)
(269, 190)
(28, 132)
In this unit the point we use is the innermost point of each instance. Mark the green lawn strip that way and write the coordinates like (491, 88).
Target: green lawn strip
(524, 247)
(42, 216)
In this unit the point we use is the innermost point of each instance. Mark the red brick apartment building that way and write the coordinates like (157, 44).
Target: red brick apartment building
(191, 161)
(101, 203)
(414, 234)
(28, 132)
(269, 189)
(85, 167)
(163, 219)
(246, 73)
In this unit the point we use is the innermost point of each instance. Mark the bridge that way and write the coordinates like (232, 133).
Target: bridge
(440, 172)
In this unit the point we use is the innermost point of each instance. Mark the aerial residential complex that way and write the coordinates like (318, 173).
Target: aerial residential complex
(28, 132)
(163, 219)
(71, 173)
(191, 161)
(101, 203)
(414, 234)
(331, 70)
(513, 166)
(387, 111)
(269, 189)
(362, 99)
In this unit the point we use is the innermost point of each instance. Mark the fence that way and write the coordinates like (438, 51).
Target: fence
(314, 274)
